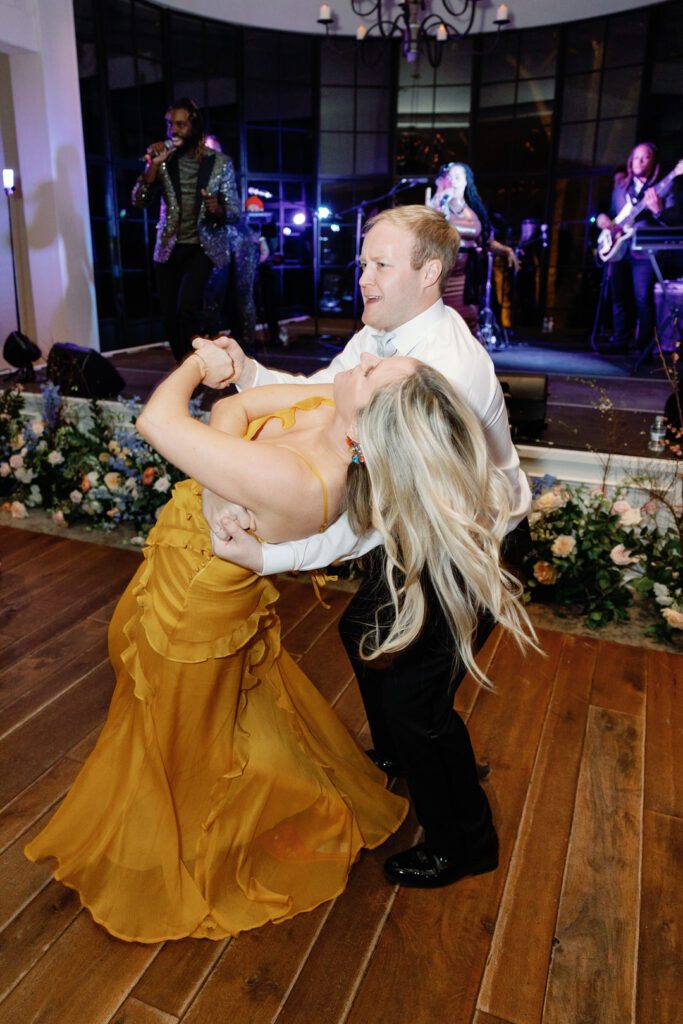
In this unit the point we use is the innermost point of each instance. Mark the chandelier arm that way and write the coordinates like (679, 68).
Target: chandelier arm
(459, 14)
(385, 29)
(375, 8)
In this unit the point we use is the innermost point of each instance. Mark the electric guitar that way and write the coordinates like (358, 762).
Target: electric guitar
(613, 241)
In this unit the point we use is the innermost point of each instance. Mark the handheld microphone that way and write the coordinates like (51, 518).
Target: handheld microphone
(168, 145)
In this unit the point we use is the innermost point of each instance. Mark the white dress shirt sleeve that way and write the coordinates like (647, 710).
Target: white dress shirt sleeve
(345, 360)
(337, 542)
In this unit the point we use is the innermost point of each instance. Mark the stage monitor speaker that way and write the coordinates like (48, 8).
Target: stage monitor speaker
(526, 396)
(82, 372)
(669, 307)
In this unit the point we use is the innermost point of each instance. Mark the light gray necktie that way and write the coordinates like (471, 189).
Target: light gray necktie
(385, 344)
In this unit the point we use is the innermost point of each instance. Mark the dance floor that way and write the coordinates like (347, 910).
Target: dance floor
(581, 921)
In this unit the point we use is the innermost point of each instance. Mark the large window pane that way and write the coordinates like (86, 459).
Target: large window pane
(615, 141)
(336, 153)
(585, 46)
(620, 93)
(626, 39)
(336, 108)
(372, 153)
(372, 110)
(576, 144)
(580, 97)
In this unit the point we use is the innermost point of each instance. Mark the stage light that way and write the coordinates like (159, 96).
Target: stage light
(335, 228)
(286, 231)
(299, 218)
(324, 212)
(19, 351)
(260, 192)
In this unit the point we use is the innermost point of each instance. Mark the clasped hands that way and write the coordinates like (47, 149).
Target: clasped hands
(222, 358)
(231, 525)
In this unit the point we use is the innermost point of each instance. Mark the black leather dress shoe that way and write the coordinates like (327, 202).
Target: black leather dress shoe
(420, 868)
(393, 768)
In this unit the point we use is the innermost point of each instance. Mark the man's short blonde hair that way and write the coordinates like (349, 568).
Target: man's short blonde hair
(433, 236)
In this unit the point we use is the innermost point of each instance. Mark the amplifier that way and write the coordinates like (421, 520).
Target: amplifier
(669, 307)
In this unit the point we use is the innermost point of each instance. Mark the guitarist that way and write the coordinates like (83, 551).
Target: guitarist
(632, 277)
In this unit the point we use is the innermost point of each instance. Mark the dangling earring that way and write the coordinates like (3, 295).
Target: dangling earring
(356, 451)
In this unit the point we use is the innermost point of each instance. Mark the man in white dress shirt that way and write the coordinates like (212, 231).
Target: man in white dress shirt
(405, 260)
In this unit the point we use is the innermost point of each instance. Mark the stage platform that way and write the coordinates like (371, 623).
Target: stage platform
(593, 403)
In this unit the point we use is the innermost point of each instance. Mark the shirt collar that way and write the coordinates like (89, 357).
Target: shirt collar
(408, 335)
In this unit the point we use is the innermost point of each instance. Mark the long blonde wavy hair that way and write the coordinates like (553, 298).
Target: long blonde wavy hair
(429, 487)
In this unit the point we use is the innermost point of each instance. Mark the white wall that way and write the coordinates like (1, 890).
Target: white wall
(42, 138)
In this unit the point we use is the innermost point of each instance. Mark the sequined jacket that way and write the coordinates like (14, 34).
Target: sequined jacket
(217, 176)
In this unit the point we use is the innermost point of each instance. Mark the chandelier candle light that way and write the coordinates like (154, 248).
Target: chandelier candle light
(421, 31)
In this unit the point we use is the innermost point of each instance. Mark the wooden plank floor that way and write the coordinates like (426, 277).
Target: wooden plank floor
(580, 923)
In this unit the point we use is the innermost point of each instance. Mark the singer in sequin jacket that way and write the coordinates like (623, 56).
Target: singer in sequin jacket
(217, 177)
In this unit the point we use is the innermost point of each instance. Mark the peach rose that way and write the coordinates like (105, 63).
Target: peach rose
(673, 617)
(545, 573)
(563, 546)
(621, 506)
(112, 481)
(631, 517)
(85, 484)
(620, 555)
(58, 518)
(549, 501)
(18, 510)
(148, 475)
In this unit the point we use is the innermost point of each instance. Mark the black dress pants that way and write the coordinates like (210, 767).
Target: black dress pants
(633, 280)
(182, 280)
(409, 706)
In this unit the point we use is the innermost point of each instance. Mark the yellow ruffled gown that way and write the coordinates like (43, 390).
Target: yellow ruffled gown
(223, 791)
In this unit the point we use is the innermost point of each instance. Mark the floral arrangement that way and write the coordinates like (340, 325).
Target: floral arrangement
(101, 473)
(592, 552)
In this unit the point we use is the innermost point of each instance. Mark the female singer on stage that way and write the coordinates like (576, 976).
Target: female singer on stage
(457, 198)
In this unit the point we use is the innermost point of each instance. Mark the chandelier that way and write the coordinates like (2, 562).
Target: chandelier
(421, 29)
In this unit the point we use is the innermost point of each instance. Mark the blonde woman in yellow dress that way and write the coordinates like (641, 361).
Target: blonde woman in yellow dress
(223, 791)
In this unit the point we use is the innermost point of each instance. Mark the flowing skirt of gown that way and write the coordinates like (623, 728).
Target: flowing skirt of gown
(223, 791)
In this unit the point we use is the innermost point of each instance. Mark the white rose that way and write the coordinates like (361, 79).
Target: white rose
(162, 484)
(25, 475)
(534, 518)
(93, 477)
(36, 496)
(55, 458)
(662, 596)
(563, 545)
(620, 556)
(75, 497)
